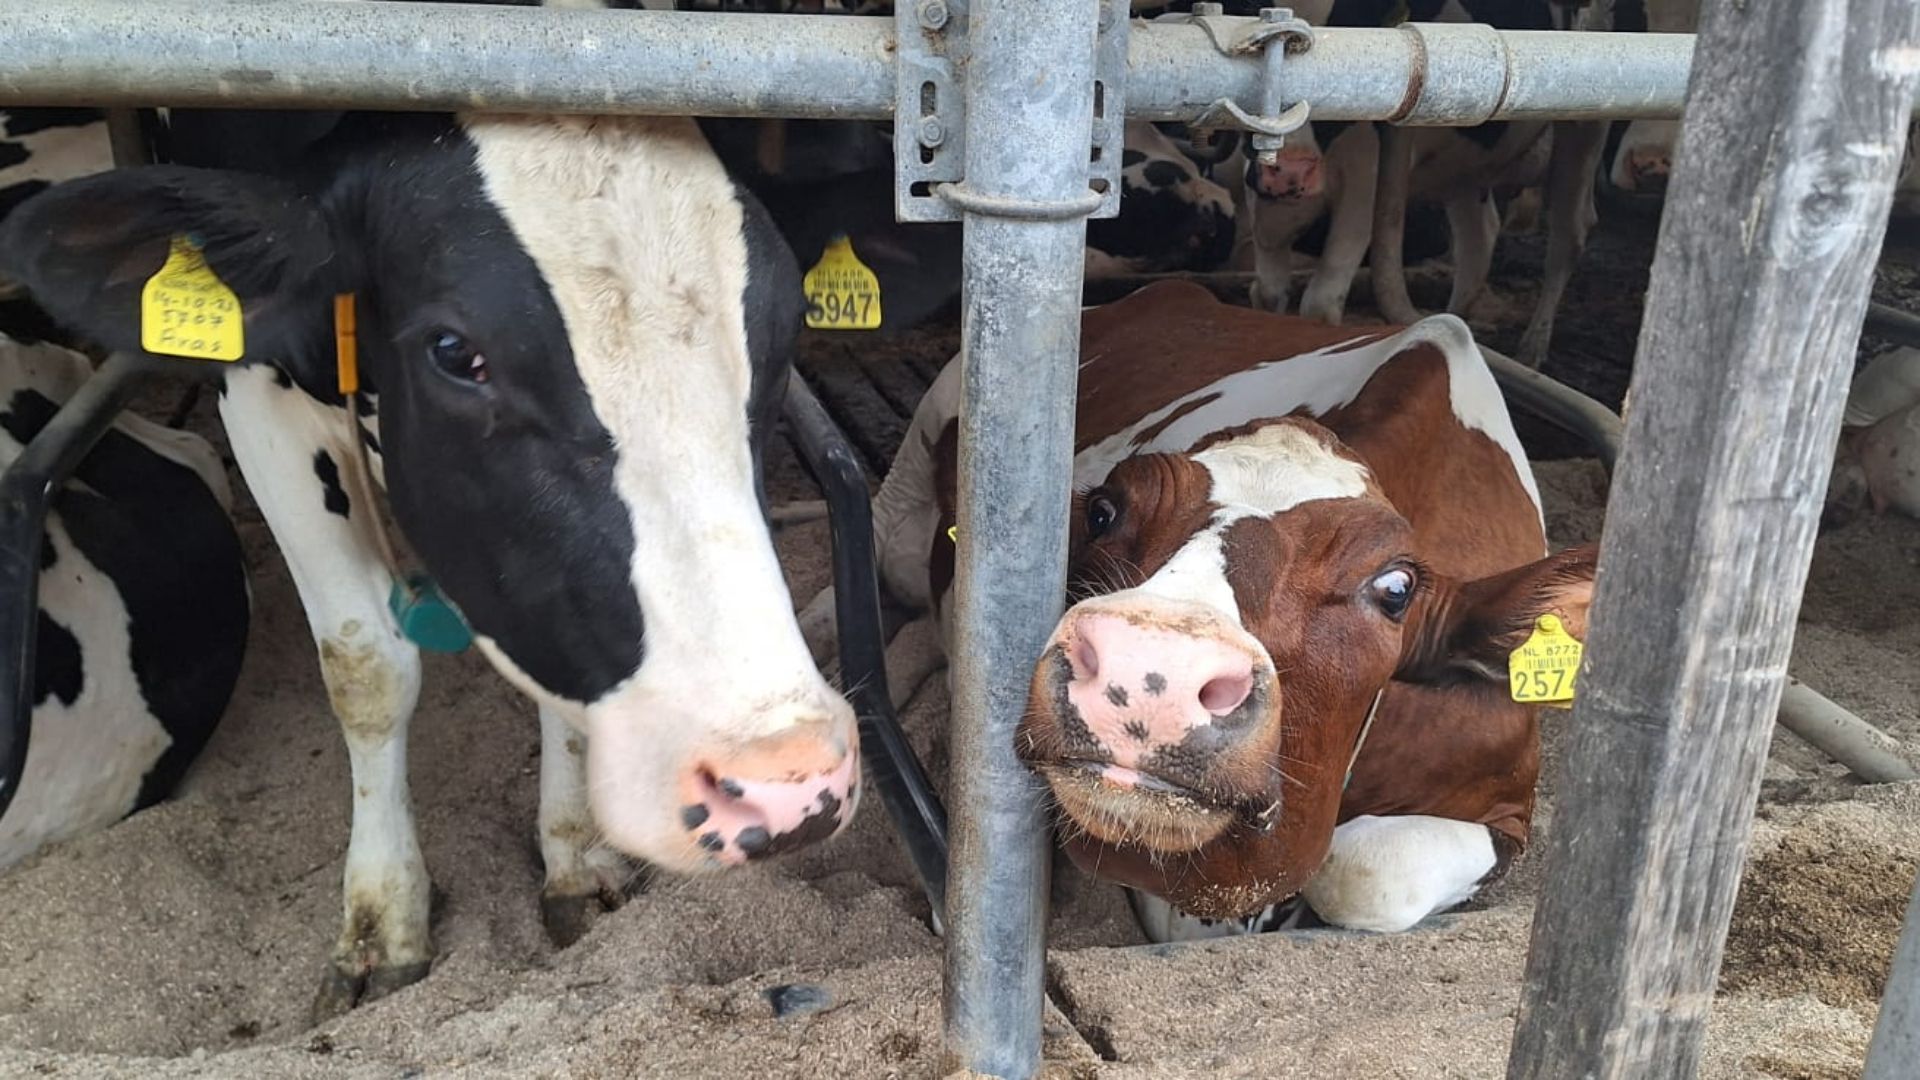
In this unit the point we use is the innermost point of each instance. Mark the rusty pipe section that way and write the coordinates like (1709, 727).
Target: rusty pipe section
(429, 56)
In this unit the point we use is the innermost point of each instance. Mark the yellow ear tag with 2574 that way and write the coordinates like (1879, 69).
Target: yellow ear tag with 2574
(186, 310)
(842, 293)
(1542, 670)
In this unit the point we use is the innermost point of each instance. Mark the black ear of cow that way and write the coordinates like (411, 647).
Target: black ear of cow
(85, 249)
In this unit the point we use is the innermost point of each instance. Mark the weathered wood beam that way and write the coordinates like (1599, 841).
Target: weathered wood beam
(1796, 117)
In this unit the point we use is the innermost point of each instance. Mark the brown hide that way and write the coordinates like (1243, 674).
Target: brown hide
(1464, 750)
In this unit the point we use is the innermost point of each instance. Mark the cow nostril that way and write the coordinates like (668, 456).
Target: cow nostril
(1224, 694)
(1084, 660)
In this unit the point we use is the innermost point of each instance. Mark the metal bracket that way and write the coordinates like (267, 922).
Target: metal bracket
(1235, 38)
(930, 115)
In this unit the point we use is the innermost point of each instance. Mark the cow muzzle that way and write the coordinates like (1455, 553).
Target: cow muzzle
(719, 800)
(1149, 720)
(1296, 174)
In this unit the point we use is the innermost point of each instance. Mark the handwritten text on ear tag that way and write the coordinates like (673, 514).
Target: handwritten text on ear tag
(186, 310)
(842, 293)
(1542, 670)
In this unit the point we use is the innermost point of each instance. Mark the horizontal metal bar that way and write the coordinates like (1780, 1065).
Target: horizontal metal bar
(321, 54)
(1866, 751)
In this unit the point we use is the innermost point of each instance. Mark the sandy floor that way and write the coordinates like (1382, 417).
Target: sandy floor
(187, 940)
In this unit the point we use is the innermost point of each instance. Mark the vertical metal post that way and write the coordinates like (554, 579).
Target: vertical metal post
(1894, 1053)
(1029, 99)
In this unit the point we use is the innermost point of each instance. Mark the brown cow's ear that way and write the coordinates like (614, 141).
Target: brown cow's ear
(1468, 629)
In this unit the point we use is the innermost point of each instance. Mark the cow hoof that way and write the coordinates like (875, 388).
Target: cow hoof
(344, 989)
(568, 918)
(569, 912)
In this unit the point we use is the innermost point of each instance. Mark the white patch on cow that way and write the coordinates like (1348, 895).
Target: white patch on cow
(1319, 382)
(1276, 468)
(1388, 873)
(86, 761)
(1197, 573)
(59, 153)
(637, 231)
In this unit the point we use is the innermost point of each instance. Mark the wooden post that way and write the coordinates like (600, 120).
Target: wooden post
(1796, 116)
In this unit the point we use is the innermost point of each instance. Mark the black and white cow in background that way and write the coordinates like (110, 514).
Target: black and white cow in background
(143, 612)
(828, 177)
(1365, 175)
(574, 335)
(144, 607)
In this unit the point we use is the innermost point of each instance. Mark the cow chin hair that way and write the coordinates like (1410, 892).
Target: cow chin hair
(1161, 823)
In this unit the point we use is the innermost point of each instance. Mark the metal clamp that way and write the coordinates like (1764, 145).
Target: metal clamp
(1235, 38)
(930, 118)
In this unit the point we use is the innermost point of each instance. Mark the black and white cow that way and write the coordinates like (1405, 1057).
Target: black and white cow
(836, 177)
(1336, 169)
(143, 612)
(574, 337)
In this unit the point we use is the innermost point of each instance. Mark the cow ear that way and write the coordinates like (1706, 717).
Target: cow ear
(1468, 629)
(85, 248)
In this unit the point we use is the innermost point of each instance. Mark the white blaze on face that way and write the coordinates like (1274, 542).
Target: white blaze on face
(1265, 472)
(638, 234)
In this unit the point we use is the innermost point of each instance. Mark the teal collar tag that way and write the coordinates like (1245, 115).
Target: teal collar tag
(425, 617)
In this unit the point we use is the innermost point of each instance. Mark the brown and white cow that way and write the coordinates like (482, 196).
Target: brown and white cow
(1277, 520)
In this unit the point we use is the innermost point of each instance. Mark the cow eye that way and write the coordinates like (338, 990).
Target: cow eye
(1393, 592)
(1102, 514)
(456, 356)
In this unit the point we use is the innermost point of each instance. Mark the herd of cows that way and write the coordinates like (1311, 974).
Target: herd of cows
(1301, 554)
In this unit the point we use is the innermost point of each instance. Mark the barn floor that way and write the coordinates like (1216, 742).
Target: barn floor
(187, 941)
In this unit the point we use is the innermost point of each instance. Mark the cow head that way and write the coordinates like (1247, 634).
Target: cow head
(1239, 607)
(1171, 217)
(578, 331)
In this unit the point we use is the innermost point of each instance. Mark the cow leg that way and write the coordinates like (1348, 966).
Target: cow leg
(1475, 224)
(1347, 236)
(1388, 873)
(1390, 226)
(291, 449)
(584, 877)
(1570, 214)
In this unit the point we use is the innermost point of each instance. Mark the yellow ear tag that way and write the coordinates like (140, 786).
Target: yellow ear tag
(1542, 670)
(186, 310)
(842, 294)
(953, 533)
(346, 347)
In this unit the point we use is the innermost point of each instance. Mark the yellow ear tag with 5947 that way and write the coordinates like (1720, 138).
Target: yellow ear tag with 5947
(842, 293)
(1542, 670)
(186, 310)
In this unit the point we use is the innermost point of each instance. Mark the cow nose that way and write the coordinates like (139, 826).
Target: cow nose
(770, 795)
(1650, 171)
(1143, 688)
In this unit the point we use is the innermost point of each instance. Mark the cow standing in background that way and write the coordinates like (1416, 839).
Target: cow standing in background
(1364, 177)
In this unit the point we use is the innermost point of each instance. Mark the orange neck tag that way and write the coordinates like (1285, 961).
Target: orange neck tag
(346, 344)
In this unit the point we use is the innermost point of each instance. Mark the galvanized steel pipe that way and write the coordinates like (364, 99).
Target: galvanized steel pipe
(1029, 110)
(298, 53)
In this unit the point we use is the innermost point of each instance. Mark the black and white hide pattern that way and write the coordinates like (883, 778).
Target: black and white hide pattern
(574, 340)
(836, 177)
(143, 612)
